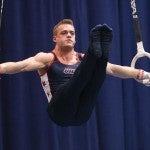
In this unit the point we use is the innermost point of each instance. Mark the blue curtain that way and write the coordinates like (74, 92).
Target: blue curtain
(121, 118)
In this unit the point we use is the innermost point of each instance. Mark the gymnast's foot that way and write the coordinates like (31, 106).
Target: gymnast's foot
(106, 39)
(95, 42)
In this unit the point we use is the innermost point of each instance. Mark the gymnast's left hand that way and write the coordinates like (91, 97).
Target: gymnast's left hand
(143, 77)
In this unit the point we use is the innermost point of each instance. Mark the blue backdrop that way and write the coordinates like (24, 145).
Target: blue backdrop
(121, 118)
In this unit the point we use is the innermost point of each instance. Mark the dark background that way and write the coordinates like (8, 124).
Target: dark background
(121, 118)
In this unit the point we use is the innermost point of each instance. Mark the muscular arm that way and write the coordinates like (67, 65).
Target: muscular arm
(121, 71)
(36, 62)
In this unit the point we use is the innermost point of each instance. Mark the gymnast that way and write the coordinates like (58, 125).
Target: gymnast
(72, 80)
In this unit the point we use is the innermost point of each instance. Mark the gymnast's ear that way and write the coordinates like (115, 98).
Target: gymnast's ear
(54, 38)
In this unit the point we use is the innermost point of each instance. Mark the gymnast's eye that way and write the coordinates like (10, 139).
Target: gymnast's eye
(72, 33)
(64, 32)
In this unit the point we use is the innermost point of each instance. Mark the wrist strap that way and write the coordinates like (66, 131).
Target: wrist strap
(140, 74)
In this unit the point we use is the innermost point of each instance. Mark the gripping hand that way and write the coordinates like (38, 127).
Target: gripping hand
(143, 77)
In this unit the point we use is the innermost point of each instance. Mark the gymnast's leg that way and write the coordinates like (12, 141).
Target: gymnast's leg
(89, 94)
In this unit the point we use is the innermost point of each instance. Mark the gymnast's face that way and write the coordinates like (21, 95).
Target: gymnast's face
(65, 36)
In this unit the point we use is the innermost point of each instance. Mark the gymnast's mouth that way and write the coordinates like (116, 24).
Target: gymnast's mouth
(69, 41)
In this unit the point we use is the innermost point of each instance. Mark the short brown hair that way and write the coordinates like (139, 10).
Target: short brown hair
(64, 21)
